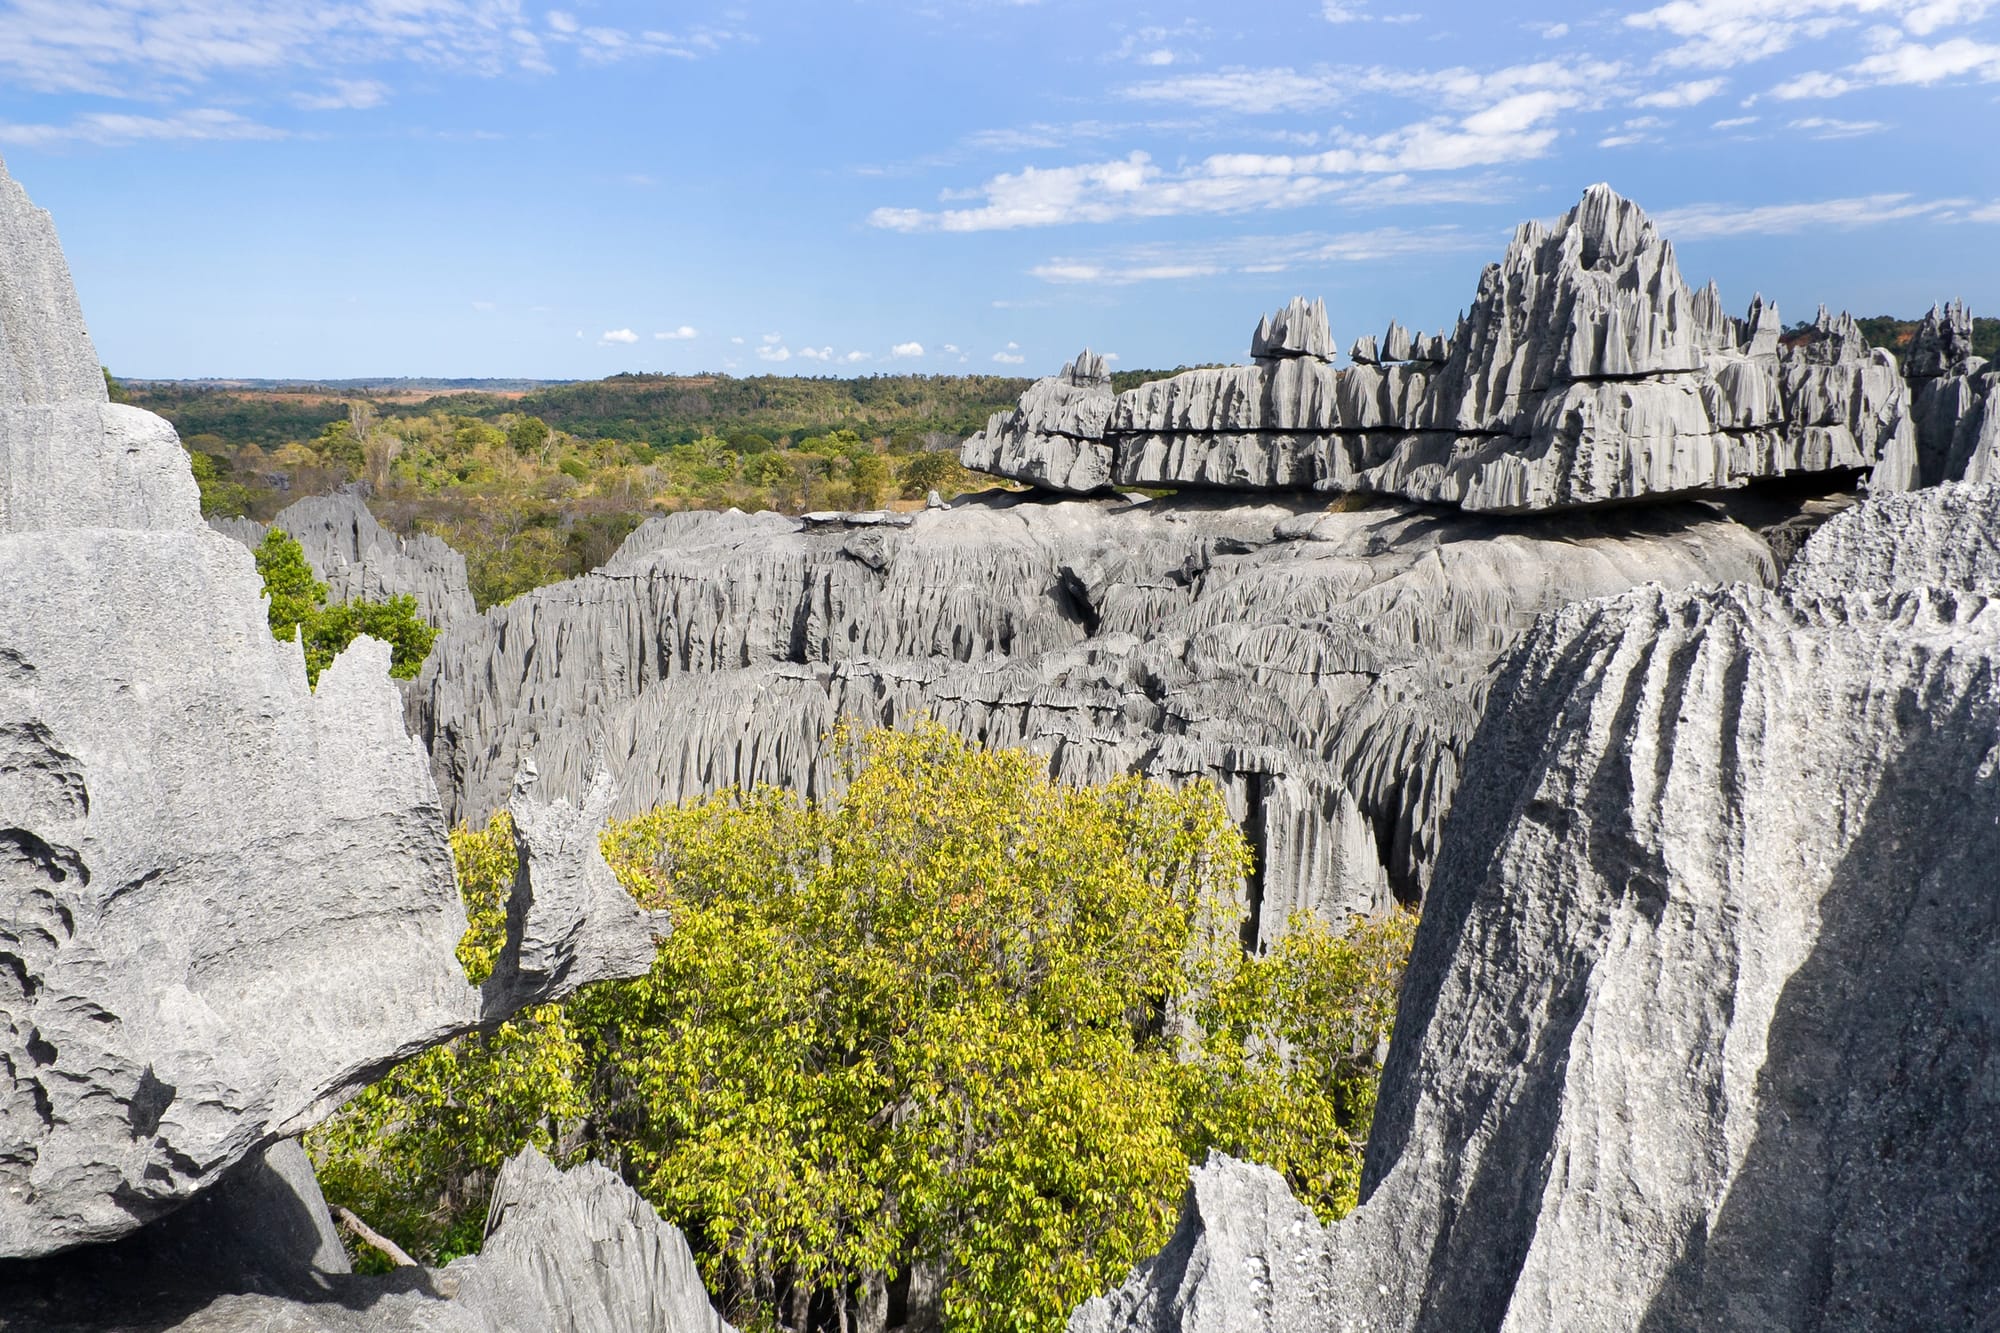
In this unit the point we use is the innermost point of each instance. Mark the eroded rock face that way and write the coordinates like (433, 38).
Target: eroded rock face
(1324, 668)
(360, 560)
(1699, 1029)
(1055, 438)
(1585, 373)
(565, 1251)
(226, 901)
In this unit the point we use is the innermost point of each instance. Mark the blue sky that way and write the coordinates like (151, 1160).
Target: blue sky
(492, 187)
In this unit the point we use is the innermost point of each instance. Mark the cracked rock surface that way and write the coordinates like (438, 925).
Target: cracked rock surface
(1699, 1027)
(1324, 668)
(226, 901)
(1586, 372)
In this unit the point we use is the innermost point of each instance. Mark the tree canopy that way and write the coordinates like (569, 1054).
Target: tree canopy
(949, 1041)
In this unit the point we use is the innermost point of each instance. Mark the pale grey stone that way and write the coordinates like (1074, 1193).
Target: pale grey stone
(1698, 1030)
(1055, 438)
(565, 1252)
(361, 561)
(1585, 373)
(226, 900)
(1324, 668)
(1298, 330)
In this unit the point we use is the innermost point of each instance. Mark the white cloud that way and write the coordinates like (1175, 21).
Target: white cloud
(563, 21)
(1682, 94)
(1701, 221)
(1253, 254)
(1513, 129)
(681, 334)
(1009, 358)
(1900, 63)
(816, 353)
(1825, 127)
(1553, 31)
(951, 349)
(1342, 11)
(773, 351)
(345, 95)
(1733, 123)
(853, 358)
(1720, 34)
(624, 337)
(737, 341)
(907, 349)
(112, 129)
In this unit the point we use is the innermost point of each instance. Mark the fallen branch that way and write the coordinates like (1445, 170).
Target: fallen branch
(369, 1234)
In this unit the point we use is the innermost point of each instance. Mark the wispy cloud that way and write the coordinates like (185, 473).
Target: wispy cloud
(345, 95)
(1722, 34)
(1682, 94)
(1702, 221)
(1011, 356)
(1900, 63)
(1514, 129)
(1254, 254)
(110, 129)
(681, 334)
(1825, 127)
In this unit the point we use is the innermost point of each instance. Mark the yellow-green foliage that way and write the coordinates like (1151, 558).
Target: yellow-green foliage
(416, 1154)
(964, 1017)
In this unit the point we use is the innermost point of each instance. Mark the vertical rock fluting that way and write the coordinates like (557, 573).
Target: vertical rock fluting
(1699, 1029)
(1586, 372)
(1324, 668)
(226, 901)
(361, 561)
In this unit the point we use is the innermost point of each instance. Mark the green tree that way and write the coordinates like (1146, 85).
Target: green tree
(964, 1019)
(298, 608)
(220, 493)
(527, 435)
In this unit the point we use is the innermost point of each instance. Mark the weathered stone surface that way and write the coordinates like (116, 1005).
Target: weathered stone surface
(1324, 668)
(360, 560)
(1699, 1029)
(1055, 438)
(1585, 373)
(226, 901)
(1298, 330)
(565, 1251)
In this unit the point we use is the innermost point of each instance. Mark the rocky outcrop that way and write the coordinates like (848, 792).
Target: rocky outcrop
(1699, 1028)
(1585, 373)
(361, 561)
(565, 1251)
(226, 901)
(1055, 438)
(1952, 400)
(1325, 668)
(1299, 330)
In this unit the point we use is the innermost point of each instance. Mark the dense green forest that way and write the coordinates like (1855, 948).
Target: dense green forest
(938, 1052)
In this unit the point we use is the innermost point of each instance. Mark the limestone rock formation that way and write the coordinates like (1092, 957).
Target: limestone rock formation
(1055, 438)
(1585, 373)
(226, 901)
(565, 1251)
(1300, 329)
(1324, 668)
(1699, 1027)
(360, 560)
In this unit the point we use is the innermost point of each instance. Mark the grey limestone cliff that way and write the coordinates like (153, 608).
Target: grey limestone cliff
(1586, 372)
(1699, 1027)
(226, 900)
(360, 560)
(1055, 437)
(1324, 667)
